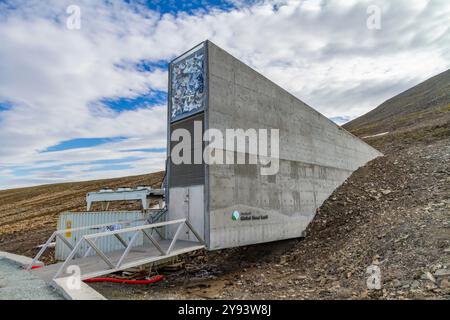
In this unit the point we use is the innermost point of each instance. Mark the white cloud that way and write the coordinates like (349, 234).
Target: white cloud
(321, 51)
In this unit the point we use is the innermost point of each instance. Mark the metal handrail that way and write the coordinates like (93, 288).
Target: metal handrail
(90, 240)
(58, 233)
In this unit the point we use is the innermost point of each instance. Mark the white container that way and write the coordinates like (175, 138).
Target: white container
(69, 220)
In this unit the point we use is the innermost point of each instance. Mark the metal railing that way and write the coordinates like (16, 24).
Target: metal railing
(91, 239)
(59, 234)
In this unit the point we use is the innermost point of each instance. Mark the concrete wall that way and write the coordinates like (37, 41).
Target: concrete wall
(316, 156)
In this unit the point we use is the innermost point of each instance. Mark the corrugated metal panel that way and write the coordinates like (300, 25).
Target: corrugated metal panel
(82, 219)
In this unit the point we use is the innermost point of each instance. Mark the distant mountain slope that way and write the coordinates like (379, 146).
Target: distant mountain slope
(426, 104)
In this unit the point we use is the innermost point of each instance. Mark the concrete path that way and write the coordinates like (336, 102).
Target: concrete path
(19, 284)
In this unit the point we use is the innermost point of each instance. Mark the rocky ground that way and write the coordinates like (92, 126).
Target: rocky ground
(393, 213)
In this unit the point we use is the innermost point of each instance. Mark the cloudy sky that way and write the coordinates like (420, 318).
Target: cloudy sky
(88, 103)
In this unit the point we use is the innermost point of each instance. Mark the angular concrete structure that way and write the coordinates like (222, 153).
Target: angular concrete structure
(236, 204)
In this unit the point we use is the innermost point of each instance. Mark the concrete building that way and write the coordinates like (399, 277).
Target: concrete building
(222, 190)
(236, 204)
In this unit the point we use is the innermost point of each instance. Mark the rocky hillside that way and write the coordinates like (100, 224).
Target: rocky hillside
(423, 105)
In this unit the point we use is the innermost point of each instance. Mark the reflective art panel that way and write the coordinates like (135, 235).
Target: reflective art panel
(188, 84)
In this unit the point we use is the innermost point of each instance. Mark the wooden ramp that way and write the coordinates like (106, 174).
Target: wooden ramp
(90, 266)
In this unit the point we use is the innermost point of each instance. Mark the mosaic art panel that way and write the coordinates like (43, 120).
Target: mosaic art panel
(188, 85)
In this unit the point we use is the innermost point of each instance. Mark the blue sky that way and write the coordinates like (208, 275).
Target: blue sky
(189, 7)
(91, 103)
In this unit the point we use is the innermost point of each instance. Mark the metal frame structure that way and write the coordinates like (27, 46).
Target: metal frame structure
(91, 239)
(59, 234)
(143, 194)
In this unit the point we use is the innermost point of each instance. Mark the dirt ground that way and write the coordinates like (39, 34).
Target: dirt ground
(394, 213)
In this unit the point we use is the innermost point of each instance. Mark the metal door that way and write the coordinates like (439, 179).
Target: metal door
(187, 202)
